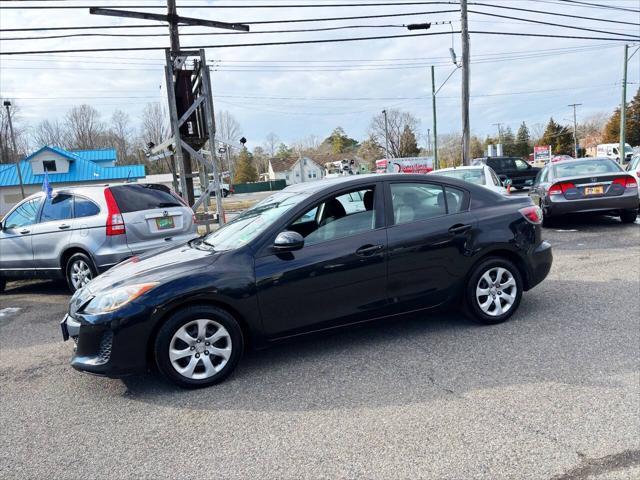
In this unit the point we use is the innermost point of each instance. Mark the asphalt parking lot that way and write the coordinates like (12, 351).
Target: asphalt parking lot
(552, 394)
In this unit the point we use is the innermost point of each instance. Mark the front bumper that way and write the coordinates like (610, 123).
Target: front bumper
(115, 348)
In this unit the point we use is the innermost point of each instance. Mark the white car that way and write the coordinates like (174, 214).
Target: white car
(478, 174)
(633, 168)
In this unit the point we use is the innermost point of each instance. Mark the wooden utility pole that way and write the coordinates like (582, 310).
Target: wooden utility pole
(386, 139)
(7, 105)
(466, 129)
(575, 129)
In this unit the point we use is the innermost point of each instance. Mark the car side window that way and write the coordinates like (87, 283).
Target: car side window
(83, 207)
(494, 177)
(58, 207)
(340, 216)
(24, 215)
(417, 201)
(455, 199)
(521, 165)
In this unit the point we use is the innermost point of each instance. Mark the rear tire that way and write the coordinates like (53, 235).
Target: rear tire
(198, 346)
(79, 271)
(493, 291)
(628, 216)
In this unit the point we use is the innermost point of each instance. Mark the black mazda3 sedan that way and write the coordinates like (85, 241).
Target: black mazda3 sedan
(312, 257)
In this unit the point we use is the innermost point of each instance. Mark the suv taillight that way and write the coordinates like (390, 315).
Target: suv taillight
(627, 182)
(560, 188)
(115, 222)
(533, 214)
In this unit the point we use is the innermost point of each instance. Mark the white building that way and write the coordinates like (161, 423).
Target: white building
(295, 170)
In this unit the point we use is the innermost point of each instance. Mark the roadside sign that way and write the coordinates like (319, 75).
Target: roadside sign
(541, 155)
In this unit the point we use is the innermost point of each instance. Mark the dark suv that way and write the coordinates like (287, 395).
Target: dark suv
(515, 169)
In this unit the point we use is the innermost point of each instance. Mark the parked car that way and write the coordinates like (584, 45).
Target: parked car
(299, 262)
(586, 185)
(633, 168)
(80, 232)
(517, 170)
(480, 175)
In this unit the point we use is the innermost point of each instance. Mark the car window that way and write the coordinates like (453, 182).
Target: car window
(586, 167)
(521, 164)
(58, 207)
(416, 201)
(472, 175)
(543, 175)
(455, 199)
(83, 207)
(24, 215)
(138, 197)
(338, 217)
(496, 180)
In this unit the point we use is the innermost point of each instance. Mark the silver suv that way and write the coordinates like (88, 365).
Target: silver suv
(80, 232)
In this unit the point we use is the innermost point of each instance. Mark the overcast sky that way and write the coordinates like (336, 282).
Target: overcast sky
(336, 84)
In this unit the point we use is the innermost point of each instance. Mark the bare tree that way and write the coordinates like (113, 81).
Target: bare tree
(50, 132)
(397, 121)
(119, 135)
(227, 128)
(271, 144)
(155, 124)
(86, 130)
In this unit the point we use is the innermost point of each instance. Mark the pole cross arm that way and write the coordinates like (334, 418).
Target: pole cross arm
(172, 19)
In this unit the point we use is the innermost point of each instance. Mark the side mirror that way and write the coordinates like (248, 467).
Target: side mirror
(288, 241)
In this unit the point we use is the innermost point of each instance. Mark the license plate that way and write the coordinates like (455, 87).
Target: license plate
(599, 190)
(165, 223)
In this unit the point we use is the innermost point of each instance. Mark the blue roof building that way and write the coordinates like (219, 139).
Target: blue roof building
(81, 167)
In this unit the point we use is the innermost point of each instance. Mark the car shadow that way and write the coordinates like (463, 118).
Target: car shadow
(416, 358)
(586, 221)
(40, 287)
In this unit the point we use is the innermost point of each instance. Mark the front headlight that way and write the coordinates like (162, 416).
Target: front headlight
(110, 300)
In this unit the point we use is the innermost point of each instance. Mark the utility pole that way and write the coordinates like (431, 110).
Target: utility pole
(466, 129)
(386, 138)
(436, 164)
(623, 106)
(428, 140)
(7, 105)
(575, 130)
(499, 125)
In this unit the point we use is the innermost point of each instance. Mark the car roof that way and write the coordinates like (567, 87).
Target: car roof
(462, 167)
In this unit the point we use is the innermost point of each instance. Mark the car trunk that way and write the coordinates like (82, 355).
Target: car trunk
(592, 186)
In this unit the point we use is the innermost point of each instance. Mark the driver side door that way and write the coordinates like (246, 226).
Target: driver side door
(338, 277)
(16, 239)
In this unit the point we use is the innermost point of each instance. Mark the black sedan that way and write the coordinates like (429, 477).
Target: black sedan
(312, 257)
(586, 185)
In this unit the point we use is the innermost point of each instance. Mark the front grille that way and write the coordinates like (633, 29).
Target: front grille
(104, 353)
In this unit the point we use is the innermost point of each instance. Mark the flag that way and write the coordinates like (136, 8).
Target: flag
(46, 186)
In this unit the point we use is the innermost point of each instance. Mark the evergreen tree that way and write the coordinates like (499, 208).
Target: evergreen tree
(508, 142)
(283, 151)
(559, 137)
(611, 133)
(408, 143)
(339, 142)
(246, 170)
(523, 141)
(633, 121)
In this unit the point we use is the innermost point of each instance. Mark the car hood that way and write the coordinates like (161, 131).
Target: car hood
(156, 266)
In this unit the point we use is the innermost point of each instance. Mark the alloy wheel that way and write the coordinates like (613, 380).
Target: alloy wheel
(496, 291)
(80, 274)
(199, 349)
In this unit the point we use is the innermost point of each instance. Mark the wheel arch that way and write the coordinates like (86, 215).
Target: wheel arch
(195, 302)
(68, 253)
(507, 254)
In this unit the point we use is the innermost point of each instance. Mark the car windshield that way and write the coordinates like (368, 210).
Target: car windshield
(251, 223)
(472, 175)
(585, 167)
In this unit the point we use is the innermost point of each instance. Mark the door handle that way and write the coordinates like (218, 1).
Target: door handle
(367, 250)
(24, 232)
(64, 226)
(459, 228)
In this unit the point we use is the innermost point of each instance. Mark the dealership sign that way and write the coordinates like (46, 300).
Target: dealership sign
(541, 154)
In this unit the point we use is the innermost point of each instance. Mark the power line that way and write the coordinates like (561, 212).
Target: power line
(599, 5)
(258, 6)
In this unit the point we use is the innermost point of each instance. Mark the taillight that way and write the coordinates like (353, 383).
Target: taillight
(627, 182)
(115, 222)
(560, 188)
(533, 214)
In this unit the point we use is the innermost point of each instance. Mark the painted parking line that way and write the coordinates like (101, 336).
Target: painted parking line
(5, 312)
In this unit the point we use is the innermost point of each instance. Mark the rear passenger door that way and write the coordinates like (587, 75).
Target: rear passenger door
(51, 235)
(430, 226)
(152, 215)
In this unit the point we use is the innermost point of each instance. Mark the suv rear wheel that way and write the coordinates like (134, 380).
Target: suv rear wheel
(628, 216)
(198, 346)
(493, 291)
(80, 271)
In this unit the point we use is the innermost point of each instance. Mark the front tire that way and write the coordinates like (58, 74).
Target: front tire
(80, 270)
(628, 216)
(198, 346)
(493, 291)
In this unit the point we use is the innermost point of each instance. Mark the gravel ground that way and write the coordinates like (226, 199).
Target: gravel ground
(552, 394)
